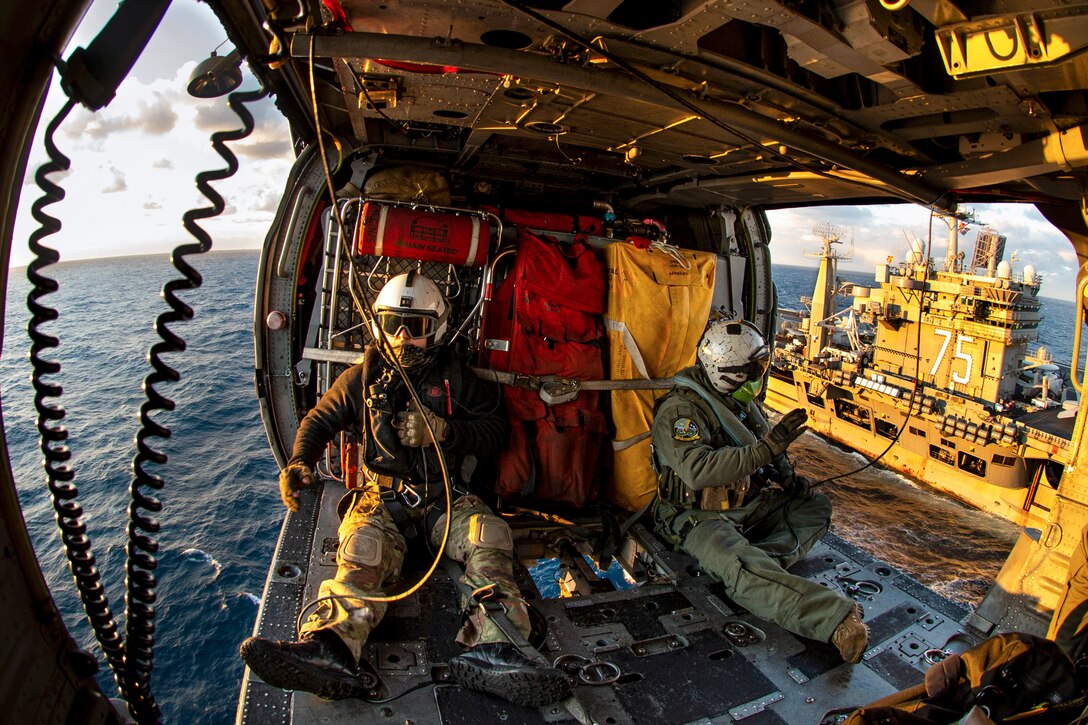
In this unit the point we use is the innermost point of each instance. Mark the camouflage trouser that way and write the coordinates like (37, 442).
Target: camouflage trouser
(483, 544)
(370, 556)
(1069, 627)
(753, 566)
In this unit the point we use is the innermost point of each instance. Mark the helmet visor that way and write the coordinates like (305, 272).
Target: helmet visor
(418, 325)
(759, 362)
(754, 369)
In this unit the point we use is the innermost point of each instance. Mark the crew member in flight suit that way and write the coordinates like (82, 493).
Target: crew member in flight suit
(709, 437)
(397, 451)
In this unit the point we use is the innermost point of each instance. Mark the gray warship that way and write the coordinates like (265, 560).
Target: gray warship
(932, 372)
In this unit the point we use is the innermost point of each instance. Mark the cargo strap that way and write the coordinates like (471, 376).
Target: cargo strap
(541, 382)
(619, 326)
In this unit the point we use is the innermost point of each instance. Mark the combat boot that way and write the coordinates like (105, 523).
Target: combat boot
(499, 668)
(851, 637)
(320, 663)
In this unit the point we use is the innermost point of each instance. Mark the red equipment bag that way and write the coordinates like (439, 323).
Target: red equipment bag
(386, 230)
(550, 306)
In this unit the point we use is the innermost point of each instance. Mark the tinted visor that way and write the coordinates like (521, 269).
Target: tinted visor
(759, 362)
(754, 369)
(418, 325)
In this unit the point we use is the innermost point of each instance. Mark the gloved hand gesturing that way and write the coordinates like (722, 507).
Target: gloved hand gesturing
(412, 428)
(786, 431)
(293, 478)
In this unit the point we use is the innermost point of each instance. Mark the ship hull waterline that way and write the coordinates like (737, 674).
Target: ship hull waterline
(1020, 494)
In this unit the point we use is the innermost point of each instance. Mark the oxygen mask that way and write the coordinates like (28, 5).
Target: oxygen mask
(747, 393)
(408, 355)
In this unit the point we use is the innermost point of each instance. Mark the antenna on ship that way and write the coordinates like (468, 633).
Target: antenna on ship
(957, 224)
(822, 304)
(832, 234)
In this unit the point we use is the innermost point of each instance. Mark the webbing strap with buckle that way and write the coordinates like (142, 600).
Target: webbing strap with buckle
(392, 488)
(494, 610)
(694, 518)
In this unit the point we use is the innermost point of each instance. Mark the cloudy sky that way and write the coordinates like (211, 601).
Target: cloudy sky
(882, 230)
(133, 166)
(133, 163)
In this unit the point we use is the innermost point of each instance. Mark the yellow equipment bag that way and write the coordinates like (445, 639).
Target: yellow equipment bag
(658, 307)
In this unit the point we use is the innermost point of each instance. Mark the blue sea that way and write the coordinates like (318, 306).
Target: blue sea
(221, 510)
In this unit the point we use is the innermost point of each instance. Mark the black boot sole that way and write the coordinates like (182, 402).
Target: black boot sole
(279, 669)
(527, 687)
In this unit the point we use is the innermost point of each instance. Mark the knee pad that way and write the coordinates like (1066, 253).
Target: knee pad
(362, 547)
(488, 531)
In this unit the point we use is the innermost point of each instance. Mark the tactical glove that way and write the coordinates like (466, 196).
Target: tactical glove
(799, 487)
(786, 431)
(412, 429)
(292, 479)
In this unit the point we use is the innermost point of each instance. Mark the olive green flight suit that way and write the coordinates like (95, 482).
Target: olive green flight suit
(748, 547)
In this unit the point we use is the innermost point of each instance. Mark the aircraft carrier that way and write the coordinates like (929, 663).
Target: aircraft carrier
(930, 370)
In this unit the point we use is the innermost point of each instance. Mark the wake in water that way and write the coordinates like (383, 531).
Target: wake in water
(204, 557)
(949, 547)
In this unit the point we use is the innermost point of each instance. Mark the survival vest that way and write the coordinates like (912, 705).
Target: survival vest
(545, 319)
(727, 429)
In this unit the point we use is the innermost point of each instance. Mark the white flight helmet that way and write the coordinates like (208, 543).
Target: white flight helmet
(732, 353)
(412, 302)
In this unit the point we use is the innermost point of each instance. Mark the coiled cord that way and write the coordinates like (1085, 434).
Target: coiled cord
(51, 431)
(142, 547)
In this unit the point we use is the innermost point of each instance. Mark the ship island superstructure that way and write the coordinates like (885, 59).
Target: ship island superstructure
(930, 371)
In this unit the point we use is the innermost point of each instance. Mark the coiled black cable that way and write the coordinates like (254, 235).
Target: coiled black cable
(142, 547)
(51, 431)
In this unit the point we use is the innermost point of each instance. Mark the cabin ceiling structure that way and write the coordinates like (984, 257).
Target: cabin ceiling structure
(692, 103)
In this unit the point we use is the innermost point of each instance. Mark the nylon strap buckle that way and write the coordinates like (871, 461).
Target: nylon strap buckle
(392, 488)
(495, 610)
(409, 495)
(527, 382)
(693, 521)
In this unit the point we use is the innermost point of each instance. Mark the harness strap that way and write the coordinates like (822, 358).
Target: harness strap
(698, 390)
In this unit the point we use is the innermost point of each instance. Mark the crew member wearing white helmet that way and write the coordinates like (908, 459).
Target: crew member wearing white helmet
(710, 438)
(398, 457)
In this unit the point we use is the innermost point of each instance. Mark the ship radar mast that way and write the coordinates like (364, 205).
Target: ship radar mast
(957, 224)
(822, 304)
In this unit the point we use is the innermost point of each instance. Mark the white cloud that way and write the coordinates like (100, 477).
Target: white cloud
(117, 185)
(880, 231)
(117, 173)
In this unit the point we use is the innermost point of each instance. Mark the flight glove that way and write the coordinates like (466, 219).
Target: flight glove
(293, 478)
(786, 431)
(412, 429)
(799, 487)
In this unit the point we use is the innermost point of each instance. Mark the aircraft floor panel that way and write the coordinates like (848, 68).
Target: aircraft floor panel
(674, 649)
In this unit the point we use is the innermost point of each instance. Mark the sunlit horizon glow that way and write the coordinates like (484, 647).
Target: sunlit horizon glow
(134, 163)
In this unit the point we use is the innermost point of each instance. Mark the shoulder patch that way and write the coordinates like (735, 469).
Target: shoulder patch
(686, 429)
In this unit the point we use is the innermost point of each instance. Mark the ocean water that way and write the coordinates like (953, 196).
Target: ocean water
(222, 512)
